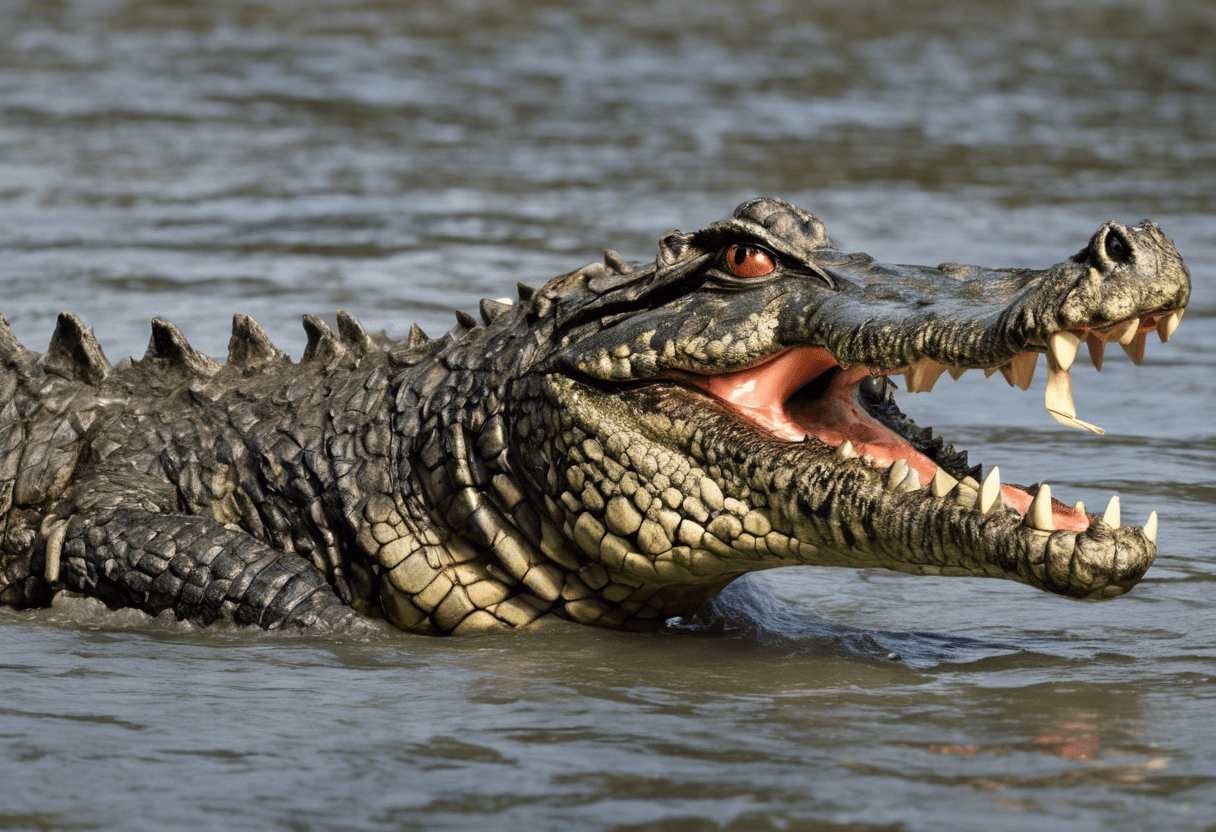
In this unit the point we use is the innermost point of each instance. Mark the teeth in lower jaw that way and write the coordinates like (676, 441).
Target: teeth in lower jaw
(1150, 528)
(990, 491)
(1038, 516)
(942, 483)
(1167, 325)
(911, 482)
(1063, 348)
(967, 492)
(1079, 508)
(896, 473)
(846, 450)
(1111, 516)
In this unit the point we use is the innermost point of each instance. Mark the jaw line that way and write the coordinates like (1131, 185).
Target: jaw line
(761, 394)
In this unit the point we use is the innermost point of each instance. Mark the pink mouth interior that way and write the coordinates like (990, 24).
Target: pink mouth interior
(762, 393)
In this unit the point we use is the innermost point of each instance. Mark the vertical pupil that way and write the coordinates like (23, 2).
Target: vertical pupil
(740, 255)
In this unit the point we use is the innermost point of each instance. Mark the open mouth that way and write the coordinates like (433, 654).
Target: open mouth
(803, 394)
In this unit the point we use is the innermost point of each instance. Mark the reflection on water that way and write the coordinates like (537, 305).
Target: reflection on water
(192, 160)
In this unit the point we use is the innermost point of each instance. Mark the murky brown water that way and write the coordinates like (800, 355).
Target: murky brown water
(276, 158)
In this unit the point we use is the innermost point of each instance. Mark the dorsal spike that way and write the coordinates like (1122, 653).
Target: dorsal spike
(74, 353)
(417, 339)
(169, 345)
(525, 292)
(11, 350)
(492, 310)
(465, 319)
(352, 333)
(617, 263)
(323, 344)
(249, 347)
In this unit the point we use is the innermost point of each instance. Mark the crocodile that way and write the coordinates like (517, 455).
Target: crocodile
(612, 448)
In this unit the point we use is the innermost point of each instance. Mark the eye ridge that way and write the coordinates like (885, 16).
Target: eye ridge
(749, 260)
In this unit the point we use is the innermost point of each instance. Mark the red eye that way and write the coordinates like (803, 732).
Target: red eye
(749, 261)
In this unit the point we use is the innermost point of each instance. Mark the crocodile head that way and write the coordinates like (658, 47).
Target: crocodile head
(731, 408)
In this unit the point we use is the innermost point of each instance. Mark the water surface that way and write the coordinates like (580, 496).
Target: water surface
(190, 161)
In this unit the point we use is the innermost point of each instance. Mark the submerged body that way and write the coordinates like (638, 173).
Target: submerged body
(612, 449)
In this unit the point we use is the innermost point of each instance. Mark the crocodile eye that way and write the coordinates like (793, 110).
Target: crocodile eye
(749, 261)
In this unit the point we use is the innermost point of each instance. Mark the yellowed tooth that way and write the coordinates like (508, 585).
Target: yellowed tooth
(1062, 346)
(990, 372)
(846, 450)
(910, 482)
(923, 374)
(1150, 528)
(1169, 324)
(1079, 507)
(956, 372)
(1135, 349)
(1124, 332)
(896, 473)
(1039, 514)
(1059, 401)
(1022, 368)
(942, 483)
(1096, 345)
(1111, 516)
(990, 491)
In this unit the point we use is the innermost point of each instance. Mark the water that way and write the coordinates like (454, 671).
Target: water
(195, 160)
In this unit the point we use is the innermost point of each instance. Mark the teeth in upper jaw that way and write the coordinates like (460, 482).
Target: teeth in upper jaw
(1167, 325)
(1135, 348)
(896, 473)
(922, 375)
(1096, 346)
(956, 372)
(1059, 400)
(1020, 369)
(990, 491)
(1038, 516)
(1124, 332)
(1062, 347)
(1150, 528)
(942, 483)
(846, 450)
(1111, 516)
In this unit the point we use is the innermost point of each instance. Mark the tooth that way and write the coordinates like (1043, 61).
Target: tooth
(1096, 345)
(1150, 528)
(956, 372)
(1062, 347)
(1167, 325)
(942, 483)
(967, 492)
(846, 450)
(990, 491)
(1111, 516)
(1079, 508)
(1039, 514)
(896, 473)
(910, 482)
(1124, 332)
(868, 459)
(1059, 401)
(990, 372)
(923, 374)
(1135, 349)
(1022, 368)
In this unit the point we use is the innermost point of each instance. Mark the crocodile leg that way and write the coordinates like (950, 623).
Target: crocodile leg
(198, 568)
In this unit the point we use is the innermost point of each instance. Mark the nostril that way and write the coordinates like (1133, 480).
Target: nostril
(1117, 248)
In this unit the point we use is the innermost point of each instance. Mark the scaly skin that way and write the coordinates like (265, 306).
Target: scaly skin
(612, 449)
